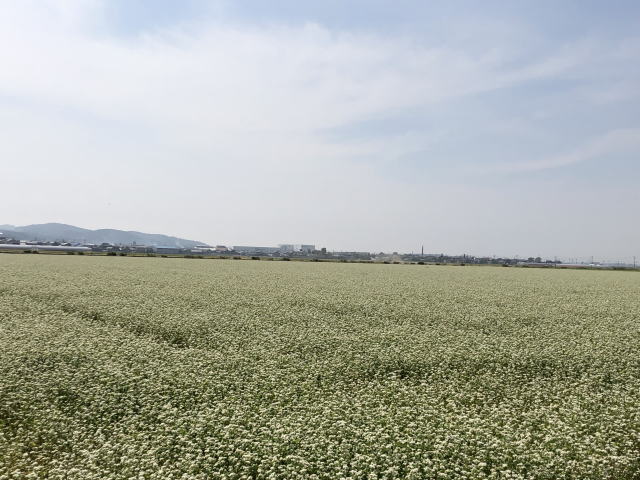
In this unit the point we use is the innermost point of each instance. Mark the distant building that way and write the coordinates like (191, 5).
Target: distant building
(203, 250)
(352, 255)
(257, 250)
(296, 248)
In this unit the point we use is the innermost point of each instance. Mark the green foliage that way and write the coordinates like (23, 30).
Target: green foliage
(255, 370)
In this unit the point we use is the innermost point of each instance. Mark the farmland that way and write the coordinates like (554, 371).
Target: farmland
(116, 368)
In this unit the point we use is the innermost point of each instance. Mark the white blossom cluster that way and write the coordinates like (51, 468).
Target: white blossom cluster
(149, 368)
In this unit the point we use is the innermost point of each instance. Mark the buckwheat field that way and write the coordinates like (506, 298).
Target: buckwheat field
(150, 368)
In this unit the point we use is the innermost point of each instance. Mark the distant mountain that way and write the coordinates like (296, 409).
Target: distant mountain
(59, 232)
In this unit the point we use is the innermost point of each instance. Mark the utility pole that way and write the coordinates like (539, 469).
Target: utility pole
(634, 261)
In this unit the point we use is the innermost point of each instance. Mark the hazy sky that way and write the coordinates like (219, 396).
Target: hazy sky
(467, 127)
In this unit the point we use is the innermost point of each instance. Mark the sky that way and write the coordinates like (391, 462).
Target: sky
(486, 128)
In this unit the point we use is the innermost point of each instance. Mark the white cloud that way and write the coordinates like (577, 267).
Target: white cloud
(221, 81)
(610, 143)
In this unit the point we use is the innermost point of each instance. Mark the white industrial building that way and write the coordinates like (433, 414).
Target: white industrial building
(249, 250)
(296, 248)
(282, 248)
